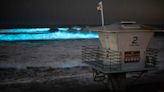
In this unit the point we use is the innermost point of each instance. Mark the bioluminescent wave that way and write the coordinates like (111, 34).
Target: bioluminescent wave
(63, 29)
(76, 28)
(25, 30)
(57, 35)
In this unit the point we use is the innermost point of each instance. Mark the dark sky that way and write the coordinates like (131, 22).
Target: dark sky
(53, 13)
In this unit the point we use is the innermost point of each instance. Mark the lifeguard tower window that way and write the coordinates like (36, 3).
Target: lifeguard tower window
(132, 56)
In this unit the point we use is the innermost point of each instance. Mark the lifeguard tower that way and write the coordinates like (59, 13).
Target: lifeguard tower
(124, 49)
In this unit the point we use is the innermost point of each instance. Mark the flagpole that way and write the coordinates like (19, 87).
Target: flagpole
(102, 14)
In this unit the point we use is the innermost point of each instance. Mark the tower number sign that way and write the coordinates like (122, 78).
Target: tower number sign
(134, 41)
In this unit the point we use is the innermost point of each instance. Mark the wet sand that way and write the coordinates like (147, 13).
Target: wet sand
(60, 53)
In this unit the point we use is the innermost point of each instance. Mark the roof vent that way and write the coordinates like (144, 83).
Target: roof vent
(128, 22)
(129, 25)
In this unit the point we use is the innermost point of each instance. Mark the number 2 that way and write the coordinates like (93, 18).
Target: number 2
(135, 41)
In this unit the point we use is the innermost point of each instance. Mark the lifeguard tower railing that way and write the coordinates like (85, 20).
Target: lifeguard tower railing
(102, 59)
(109, 61)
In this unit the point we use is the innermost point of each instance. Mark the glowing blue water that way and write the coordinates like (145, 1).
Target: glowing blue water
(57, 35)
(25, 30)
(63, 29)
(76, 28)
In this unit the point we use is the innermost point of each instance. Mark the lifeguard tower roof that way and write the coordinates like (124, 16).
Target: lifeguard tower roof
(125, 26)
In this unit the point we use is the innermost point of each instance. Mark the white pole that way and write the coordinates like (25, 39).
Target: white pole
(102, 14)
